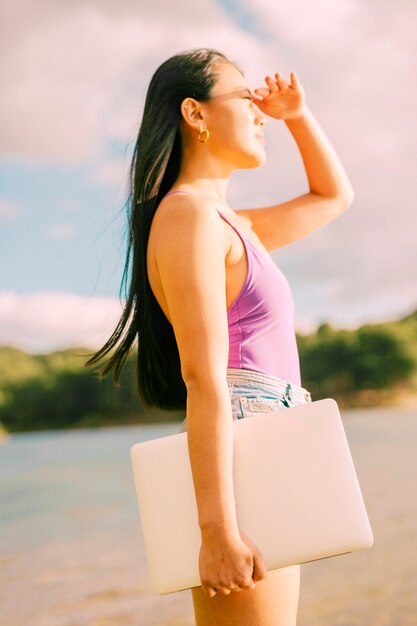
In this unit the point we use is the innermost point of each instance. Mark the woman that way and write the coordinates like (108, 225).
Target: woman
(212, 313)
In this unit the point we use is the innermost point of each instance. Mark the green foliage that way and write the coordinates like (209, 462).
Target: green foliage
(53, 391)
(59, 392)
(342, 362)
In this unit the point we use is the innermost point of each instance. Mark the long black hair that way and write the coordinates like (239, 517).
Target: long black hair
(154, 169)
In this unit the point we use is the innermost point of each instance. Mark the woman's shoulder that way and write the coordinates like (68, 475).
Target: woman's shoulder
(186, 212)
(183, 218)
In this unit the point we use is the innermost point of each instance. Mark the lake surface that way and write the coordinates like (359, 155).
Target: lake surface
(71, 549)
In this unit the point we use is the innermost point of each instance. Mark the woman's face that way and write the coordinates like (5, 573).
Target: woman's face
(234, 121)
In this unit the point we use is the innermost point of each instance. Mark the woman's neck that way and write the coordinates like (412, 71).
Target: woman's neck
(205, 176)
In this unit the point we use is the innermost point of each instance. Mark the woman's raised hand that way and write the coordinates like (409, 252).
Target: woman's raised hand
(280, 99)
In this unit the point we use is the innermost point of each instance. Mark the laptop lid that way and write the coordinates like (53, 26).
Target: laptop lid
(296, 490)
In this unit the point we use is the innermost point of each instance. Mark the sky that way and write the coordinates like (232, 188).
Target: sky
(73, 79)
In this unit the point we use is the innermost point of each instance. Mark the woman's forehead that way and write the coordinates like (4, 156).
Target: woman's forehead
(229, 78)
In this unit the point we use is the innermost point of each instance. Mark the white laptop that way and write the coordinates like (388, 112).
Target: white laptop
(297, 493)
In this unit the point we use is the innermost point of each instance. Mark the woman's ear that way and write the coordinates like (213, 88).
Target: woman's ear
(191, 112)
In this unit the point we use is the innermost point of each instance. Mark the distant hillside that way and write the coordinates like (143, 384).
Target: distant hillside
(374, 365)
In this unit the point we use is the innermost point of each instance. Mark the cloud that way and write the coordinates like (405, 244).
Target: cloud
(303, 23)
(44, 321)
(61, 231)
(111, 172)
(77, 79)
(74, 76)
(60, 84)
(9, 209)
(73, 81)
(52, 320)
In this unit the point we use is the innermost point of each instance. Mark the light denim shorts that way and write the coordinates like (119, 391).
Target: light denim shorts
(254, 392)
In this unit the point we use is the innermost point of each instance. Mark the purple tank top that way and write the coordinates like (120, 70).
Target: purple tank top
(261, 317)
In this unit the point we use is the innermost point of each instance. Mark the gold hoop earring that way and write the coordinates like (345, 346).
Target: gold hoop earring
(206, 135)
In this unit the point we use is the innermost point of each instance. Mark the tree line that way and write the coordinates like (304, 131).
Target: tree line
(56, 391)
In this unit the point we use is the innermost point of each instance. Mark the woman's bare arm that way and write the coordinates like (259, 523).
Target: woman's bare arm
(191, 246)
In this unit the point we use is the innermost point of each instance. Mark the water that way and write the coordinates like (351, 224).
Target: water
(58, 483)
(72, 552)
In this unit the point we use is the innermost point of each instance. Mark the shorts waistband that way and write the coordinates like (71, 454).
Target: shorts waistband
(239, 376)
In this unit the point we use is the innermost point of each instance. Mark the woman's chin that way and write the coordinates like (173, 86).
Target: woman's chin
(255, 159)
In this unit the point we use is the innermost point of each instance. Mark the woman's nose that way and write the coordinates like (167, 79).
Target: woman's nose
(260, 120)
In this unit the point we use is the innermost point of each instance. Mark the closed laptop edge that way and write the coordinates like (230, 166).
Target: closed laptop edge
(297, 494)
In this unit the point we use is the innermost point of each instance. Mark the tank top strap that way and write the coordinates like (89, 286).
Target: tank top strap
(191, 193)
(243, 237)
(177, 191)
(230, 224)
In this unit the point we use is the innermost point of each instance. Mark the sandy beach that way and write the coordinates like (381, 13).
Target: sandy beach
(72, 552)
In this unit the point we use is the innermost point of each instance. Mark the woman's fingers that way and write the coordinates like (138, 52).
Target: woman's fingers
(271, 84)
(274, 85)
(277, 84)
(282, 83)
(261, 91)
(259, 569)
(211, 591)
(294, 80)
(250, 585)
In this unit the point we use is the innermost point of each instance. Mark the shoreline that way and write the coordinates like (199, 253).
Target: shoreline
(408, 405)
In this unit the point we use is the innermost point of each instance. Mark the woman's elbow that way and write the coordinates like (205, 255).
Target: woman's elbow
(201, 377)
